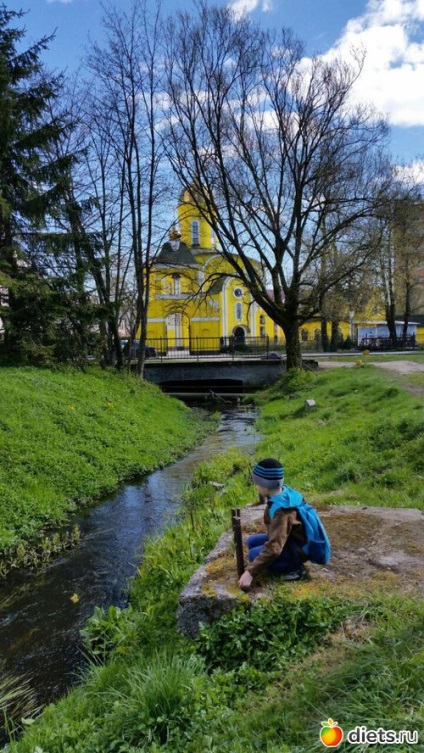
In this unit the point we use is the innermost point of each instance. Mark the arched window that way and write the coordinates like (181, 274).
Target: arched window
(195, 233)
(239, 312)
(262, 319)
(317, 335)
(304, 335)
(176, 279)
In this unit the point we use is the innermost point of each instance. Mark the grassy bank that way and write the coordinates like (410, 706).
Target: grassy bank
(261, 679)
(67, 438)
(363, 443)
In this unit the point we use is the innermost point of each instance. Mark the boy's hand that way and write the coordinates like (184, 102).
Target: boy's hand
(245, 580)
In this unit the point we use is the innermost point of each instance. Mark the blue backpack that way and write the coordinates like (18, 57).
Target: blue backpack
(317, 547)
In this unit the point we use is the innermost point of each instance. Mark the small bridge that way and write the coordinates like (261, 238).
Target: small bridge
(223, 376)
(223, 366)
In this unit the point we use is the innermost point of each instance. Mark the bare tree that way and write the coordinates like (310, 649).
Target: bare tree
(283, 164)
(409, 259)
(128, 99)
(401, 256)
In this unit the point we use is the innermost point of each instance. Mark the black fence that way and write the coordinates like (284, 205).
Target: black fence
(209, 347)
(167, 348)
(387, 343)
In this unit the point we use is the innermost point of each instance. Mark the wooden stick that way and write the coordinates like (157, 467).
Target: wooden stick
(238, 540)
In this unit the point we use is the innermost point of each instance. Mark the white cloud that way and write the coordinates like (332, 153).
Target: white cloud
(392, 34)
(412, 174)
(240, 7)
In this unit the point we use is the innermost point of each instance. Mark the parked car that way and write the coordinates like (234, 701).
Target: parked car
(130, 350)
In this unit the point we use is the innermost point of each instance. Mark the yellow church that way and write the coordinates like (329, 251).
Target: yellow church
(196, 302)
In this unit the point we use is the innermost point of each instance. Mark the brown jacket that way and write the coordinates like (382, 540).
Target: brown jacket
(285, 523)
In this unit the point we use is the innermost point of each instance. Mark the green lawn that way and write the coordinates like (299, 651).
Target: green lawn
(365, 438)
(67, 437)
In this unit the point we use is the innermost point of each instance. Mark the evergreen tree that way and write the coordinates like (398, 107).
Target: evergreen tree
(31, 182)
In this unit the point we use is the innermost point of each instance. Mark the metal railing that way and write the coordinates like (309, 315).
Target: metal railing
(208, 347)
(386, 343)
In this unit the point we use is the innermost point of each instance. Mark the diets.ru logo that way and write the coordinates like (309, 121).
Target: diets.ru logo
(331, 734)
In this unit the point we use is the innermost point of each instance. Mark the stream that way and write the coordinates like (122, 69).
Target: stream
(40, 624)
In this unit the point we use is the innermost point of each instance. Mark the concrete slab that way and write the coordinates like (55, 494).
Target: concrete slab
(373, 549)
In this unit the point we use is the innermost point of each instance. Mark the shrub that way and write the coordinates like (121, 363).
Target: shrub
(297, 379)
(269, 634)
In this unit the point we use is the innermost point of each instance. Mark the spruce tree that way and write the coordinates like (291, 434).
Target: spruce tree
(31, 180)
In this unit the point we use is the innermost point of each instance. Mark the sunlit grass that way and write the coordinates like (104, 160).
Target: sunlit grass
(67, 437)
(365, 438)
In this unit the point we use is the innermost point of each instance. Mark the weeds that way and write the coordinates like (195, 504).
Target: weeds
(39, 555)
(17, 704)
(271, 634)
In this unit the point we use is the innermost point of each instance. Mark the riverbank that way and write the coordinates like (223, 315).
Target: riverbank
(67, 438)
(264, 678)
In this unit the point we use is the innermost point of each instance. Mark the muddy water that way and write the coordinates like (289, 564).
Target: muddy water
(40, 624)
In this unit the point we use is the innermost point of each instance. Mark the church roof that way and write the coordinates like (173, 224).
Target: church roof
(190, 194)
(217, 285)
(182, 257)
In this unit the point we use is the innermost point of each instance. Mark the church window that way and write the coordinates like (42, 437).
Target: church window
(262, 331)
(195, 233)
(304, 335)
(262, 319)
(239, 312)
(238, 292)
(176, 284)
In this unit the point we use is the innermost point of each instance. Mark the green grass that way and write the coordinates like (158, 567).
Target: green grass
(68, 437)
(260, 679)
(418, 357)
(364, 439)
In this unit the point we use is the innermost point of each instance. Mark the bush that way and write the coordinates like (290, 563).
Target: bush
(270, 633)
(297, 379)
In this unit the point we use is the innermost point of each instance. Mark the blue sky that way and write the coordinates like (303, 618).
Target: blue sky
(391, 31)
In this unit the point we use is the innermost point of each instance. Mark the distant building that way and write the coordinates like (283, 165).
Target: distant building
(194, 291)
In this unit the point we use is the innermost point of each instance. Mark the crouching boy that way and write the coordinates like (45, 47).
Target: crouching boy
(294, 535)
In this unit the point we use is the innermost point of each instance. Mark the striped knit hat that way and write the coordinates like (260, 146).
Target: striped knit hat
(268, 473)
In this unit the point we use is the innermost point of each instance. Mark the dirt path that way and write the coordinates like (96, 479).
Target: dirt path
(401, 367)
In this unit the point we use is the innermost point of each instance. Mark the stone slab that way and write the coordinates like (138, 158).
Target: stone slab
(372, 548)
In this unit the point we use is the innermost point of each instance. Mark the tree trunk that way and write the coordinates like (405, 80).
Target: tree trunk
(334, 344)
(293, 352)
(391, 323)
(407, 313)
(324, 336)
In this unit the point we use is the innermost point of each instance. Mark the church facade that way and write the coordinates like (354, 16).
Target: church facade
(196, 301)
